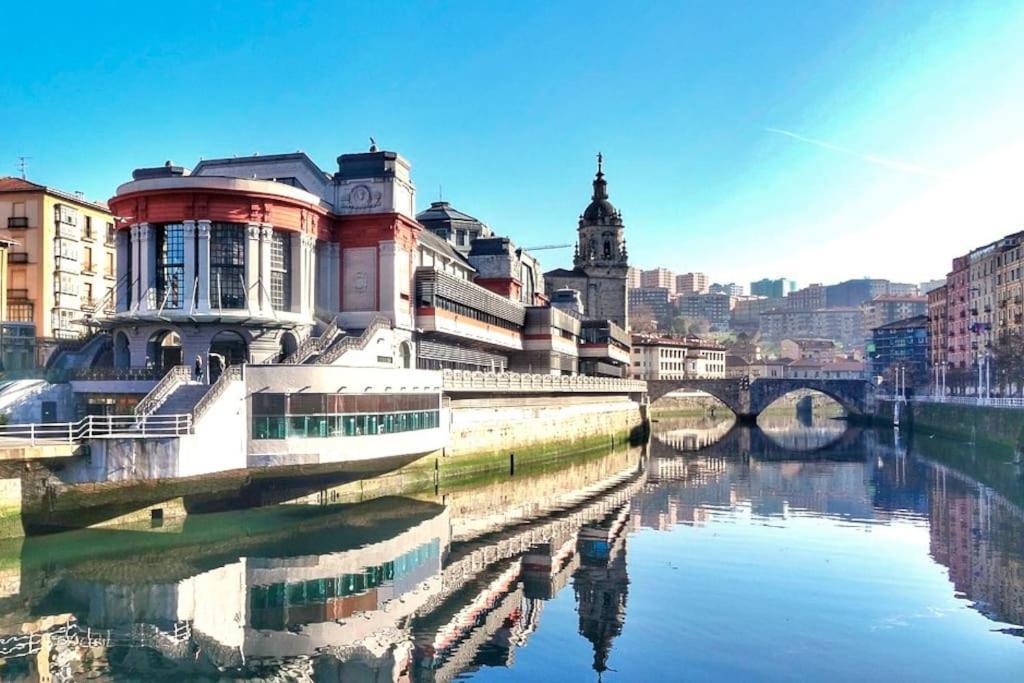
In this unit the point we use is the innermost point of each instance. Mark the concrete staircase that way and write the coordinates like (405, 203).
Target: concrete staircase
(182, 399)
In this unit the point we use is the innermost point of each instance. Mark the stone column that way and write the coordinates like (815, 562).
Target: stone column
(306, 274)
(294, 245)
(133, 256)
(203, 266)
(334, 278)
(311, 275)
(252, 267)
(388, 295)
(189, 286)
(147, 269)
(266, 246)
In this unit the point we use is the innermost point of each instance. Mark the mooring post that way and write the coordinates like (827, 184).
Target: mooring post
(511, 464)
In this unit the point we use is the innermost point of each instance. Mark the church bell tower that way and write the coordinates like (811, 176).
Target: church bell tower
(601, 255)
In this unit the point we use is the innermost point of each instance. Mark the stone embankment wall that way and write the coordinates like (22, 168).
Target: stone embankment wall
(1003, 427)
(490, 437)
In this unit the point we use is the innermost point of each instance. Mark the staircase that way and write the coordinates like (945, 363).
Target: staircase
(182, 399)
(312, 347)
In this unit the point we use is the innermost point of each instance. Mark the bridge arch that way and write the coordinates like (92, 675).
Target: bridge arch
(748, 398)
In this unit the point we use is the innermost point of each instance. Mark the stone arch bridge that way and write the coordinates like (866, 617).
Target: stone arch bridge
(747, 398)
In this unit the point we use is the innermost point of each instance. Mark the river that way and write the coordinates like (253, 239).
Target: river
(801, 550)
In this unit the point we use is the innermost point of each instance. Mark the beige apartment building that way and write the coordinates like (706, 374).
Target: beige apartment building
(677, 358)
(61, 268)
(1010, 286)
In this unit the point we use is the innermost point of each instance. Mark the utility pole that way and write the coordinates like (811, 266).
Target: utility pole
(23, 166)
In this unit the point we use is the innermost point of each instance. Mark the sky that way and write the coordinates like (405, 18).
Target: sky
(813, 140)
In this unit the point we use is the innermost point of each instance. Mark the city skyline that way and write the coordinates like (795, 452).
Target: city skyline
(853, 135)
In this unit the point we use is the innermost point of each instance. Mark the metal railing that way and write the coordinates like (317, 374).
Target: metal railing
(233, 373)
(177, 376)
(313, 345)
(468, 380)
(345, 344)
(1004, 402)
(98, 427)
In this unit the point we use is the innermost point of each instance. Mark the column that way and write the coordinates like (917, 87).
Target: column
(133, 255)
(252, 267)
(189, 289)
(311, 278)
(147, 266)
(294, 245)
(266, 244)
(387, 275)
(203, 265)
(334, 277)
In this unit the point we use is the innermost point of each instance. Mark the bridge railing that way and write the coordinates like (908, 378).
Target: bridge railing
(514, 382)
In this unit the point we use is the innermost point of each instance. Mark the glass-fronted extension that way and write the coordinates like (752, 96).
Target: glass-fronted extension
(287, 416)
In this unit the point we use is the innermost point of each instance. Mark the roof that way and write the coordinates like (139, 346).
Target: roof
(913, 298)
(442, 245)
(565, 272)
(206, 165)
(732, 361)
(12, 184)
(443, 211)
(907, 323)
(686, 342)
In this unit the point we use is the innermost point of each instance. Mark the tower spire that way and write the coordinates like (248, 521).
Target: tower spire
(600, 185)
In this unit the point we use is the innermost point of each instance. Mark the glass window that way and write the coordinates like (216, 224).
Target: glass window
(227, 265)
(170, 265)
(280, 271)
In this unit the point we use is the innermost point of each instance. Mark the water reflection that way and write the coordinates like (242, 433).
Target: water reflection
(640, 564)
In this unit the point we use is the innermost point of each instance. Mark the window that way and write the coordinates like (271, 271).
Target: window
(20, 312)
(110, 233)
(87, 301)
(170, 265)
(110, 264)
(88, 228)
(87, 265)
(280, 271)
(227, 265)
(460, 238)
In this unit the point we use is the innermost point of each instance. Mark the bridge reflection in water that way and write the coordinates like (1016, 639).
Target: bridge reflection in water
(434, 588)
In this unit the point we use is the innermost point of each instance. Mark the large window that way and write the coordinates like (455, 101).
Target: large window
(170, 265)
(227, 265)
(284, 416)
(280, 271)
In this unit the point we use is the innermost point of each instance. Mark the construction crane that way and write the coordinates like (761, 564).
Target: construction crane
(548, 246)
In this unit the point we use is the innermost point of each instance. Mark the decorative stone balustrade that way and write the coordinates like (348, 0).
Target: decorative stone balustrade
(514, 382)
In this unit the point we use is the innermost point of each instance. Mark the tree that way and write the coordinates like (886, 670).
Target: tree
(745, 345)
(1008, 361)
(642, 319)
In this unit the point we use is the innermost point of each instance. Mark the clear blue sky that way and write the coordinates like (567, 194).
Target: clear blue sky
(816, 140)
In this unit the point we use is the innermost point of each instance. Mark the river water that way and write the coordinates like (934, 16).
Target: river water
(801, 550)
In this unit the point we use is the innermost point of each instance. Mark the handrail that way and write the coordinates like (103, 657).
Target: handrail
(311, 345)
(99, 426)
(231, 373)
(175, 377)
(335, 351)
(993, 401)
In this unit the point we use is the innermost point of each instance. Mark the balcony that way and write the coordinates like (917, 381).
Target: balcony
(19, 294)
(89, 304)
(17, 222)
(18, 257)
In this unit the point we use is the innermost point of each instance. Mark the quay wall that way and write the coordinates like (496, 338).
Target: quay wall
(997, 426)
(493, 436)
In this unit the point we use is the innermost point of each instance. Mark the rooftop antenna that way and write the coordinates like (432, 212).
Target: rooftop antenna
(23, 165)
(440, 192)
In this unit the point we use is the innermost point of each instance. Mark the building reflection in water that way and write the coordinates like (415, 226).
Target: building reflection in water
(430, 590)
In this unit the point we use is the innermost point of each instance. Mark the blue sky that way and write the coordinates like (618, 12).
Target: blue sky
(814, 140)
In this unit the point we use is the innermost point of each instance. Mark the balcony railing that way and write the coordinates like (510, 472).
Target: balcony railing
(17, 222)
(98, 427)
(18, 257)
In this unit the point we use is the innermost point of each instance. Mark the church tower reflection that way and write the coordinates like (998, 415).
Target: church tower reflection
(601, 584)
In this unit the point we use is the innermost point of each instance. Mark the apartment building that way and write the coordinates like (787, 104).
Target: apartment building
(62, 268)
